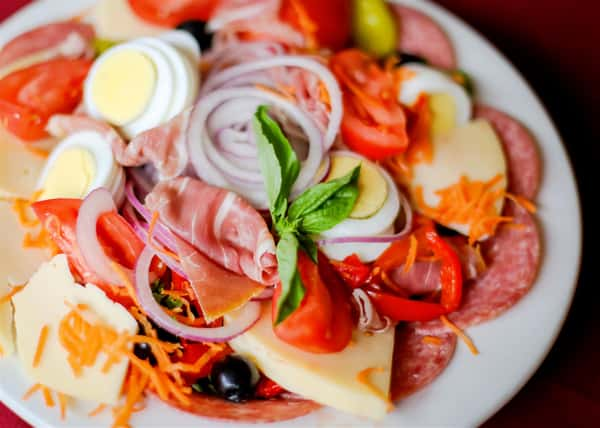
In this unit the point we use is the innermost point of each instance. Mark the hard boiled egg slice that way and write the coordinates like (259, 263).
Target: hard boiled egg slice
(142, 84)
(374, 213)
(80, 163)
(472, 151)
(449, 102)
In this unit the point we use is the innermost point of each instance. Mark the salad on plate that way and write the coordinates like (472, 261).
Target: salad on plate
(252, 209)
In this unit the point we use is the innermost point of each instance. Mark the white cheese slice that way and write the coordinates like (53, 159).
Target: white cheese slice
(16, 266)
(19, 167)
(329, 379)
(42, 302)
(472, 150)
(115, 20)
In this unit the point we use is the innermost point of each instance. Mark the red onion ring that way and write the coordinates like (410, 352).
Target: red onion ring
(246, 317)
(95, 204)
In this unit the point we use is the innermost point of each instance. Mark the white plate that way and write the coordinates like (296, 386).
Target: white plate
(512, 347)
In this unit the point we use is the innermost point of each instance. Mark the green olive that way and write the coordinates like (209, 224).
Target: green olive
(374, 27)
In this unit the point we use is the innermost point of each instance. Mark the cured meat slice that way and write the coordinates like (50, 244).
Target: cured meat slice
(218, 290)
(62, 125)
(420, 35)
(512, 257)
(219, 223)
(256, 411)
(164, 147)
(520, 149)
(66, 39)
(418, 361)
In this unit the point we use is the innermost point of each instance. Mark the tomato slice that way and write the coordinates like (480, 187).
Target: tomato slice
(28, 97)
(374, 123)
(331, 18)
(323, 321)
(121, 244)
(170, 13)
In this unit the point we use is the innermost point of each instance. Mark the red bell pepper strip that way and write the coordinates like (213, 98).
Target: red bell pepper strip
(354, 272)
(267, 388)
(403, 309)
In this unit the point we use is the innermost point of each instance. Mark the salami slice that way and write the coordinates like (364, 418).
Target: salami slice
(417, 362)
(512, 257)
(257, 411)
(520, 149)
(420, 35)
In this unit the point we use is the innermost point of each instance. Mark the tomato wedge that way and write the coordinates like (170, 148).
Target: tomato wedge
(170, 13)
(331, 19)
(374, 122)
(323, 321)
(121, 244)
(28, 97)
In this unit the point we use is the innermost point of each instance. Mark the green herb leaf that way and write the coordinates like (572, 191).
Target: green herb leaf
(316, 196)
(277, 160)
(292, 289)
(332, 212)
(309, 247)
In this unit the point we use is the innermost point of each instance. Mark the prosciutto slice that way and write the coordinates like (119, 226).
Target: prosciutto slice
(219, 223)
(66, 39)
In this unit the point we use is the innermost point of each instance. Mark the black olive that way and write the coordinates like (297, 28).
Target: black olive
(232, 379)
(198, 30)
(445, 231)
(406, 58)
(144, 352)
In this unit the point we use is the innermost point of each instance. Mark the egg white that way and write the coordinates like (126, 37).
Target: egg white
(176, 86)
(428, 80)
(108, 173)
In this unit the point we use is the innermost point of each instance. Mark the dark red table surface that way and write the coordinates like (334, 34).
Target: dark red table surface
(555, 44)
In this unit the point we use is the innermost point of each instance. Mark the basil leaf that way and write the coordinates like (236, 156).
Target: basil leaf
(316, 196)
(292, 289)
(277, 160)
(309, 247)
(332, 212)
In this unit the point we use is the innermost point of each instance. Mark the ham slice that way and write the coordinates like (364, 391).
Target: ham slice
(66, 39)
(164, 147)
(219, 223)
(62, 125)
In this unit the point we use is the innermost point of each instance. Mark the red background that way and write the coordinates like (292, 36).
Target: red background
(555, 44)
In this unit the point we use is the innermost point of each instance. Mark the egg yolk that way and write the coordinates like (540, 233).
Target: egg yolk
(443, 113)
(123, 86)
(70, 176)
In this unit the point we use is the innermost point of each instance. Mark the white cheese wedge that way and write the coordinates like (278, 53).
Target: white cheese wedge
(16, 266)
(329, 379)
(472, 150)
(115, 20)
(42, 302)
(19, 167)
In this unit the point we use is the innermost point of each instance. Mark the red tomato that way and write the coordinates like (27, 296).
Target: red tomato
(332, 19)
(323, 321)
(353, 271)
(374, 123)
(267, 388)
(28, 97)
(192, 352)
(170, 13)
(59, 217)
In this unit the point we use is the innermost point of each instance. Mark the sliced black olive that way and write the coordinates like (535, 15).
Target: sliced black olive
(198, 30)
(232, 379)
(445, 231)
(405, 58)
(144, 352)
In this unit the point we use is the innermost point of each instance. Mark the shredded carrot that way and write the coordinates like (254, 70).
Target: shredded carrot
(281, 93)
(62, 403)
(149, 330)
(432, 340)
(461, 334)
(412, 254)
(364, 378)
(307, 26)
(469, 202)
(13, 291)
(48, 396)
(515, 226)
(151, 242)
(41, 345)
(125, 280)
(97, 410)
(36, 151)
(525, 203)
(32, 391)
(481, 264)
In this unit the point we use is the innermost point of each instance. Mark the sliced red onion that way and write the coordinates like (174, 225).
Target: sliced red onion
(240, 11)
(215, 167)
(369, 320)
(98, 202)
(245, 318)
(303, 62)
(140, 179)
